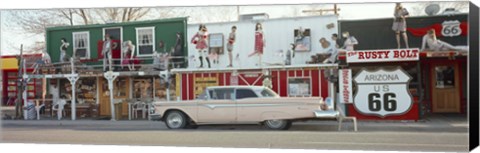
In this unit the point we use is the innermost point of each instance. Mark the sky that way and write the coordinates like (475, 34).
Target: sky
(12, 38)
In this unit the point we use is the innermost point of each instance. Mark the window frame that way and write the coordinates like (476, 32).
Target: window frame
(152, 28)
(310, 86)
(87, 46)
(236, 91)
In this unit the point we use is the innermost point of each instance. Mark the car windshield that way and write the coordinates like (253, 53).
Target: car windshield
(268, 93)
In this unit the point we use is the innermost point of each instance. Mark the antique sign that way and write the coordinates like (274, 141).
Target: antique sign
(392, 55)
(383, 93)
(345, 85)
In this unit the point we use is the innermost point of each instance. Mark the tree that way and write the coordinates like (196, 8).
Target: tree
(34, 22)
(121, 14)
(419, 8)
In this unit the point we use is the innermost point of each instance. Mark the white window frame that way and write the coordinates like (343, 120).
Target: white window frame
(296, 77)
(121, 33)
(138, 44)
(87, 46)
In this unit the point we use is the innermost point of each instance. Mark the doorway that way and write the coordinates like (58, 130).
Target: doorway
(445, 85)
(121, 91)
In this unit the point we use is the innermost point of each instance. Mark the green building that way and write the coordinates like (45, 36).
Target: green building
(145, 35)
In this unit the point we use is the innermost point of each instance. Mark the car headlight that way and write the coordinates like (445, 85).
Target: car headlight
(152, 109)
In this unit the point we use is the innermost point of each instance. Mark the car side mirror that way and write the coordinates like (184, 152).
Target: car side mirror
(205, 97)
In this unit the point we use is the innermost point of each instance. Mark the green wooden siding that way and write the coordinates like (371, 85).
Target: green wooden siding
(165, 30)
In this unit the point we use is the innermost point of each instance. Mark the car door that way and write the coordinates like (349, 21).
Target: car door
(218, 108)
(248, 106)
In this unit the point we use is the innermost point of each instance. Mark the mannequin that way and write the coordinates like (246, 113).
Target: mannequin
(231, 41)
(331, 50)
(400, 24)
(63, 50)
(128, 51)
(259, 43)
(349, 42)
(290, 54)
(178, 50)
(200, 40)
(107, 53)
(435, 44)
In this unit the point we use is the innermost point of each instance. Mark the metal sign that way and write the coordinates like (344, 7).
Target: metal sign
(451, 28)
(383, 93)
(392, 55)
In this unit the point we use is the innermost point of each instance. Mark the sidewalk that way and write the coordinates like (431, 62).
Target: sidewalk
(443, 123)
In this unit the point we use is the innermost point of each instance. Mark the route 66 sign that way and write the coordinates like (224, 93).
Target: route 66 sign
(383, 93)
(451, 28)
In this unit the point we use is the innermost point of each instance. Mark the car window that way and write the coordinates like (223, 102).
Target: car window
(222, 94)
(245, 93)
(268, 93)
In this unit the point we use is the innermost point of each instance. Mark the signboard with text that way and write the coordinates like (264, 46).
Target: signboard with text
(383, 93)
(345, 84)
(392, 55)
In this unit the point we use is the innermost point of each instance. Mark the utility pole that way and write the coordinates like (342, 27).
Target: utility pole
(18, 101)
(320, 11)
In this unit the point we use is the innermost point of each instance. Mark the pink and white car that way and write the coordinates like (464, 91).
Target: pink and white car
(240, 105)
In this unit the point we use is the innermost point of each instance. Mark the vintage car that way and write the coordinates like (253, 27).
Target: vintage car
(239, 105)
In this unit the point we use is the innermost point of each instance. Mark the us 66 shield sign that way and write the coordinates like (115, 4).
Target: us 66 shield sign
(383, 93)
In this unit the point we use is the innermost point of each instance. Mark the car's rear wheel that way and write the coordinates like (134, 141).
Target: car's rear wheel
(176, 120)
(278, 124)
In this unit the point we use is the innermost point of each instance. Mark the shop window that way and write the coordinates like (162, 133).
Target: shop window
(299, 87)
(161, 86)
(145, 41)
(142, 88)
(81, 45)
(445, 76)
(86, 90)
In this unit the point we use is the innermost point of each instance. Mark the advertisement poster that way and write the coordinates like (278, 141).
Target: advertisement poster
(203, 82)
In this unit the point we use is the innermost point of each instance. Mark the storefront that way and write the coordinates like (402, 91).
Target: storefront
(10, 78)
(287, 81)
(434, 81)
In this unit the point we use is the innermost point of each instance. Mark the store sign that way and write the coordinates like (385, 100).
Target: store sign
(345, 84)
(383, 93)
(234, 80)
(393, 55)
(203, 82)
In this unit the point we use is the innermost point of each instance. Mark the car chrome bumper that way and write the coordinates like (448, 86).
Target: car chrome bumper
(326, 113)
(155, 117)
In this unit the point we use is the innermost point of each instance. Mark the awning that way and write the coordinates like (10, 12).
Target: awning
(9, 63)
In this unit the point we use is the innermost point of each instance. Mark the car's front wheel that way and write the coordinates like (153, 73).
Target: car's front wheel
(176, 120)
(278, 124)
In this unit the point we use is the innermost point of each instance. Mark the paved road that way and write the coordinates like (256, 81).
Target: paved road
(310, 135)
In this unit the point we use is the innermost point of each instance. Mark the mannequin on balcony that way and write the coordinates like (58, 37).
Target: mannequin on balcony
(63, 51)
(200, 39)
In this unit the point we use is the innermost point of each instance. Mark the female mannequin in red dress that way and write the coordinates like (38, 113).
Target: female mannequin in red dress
(259, 43)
